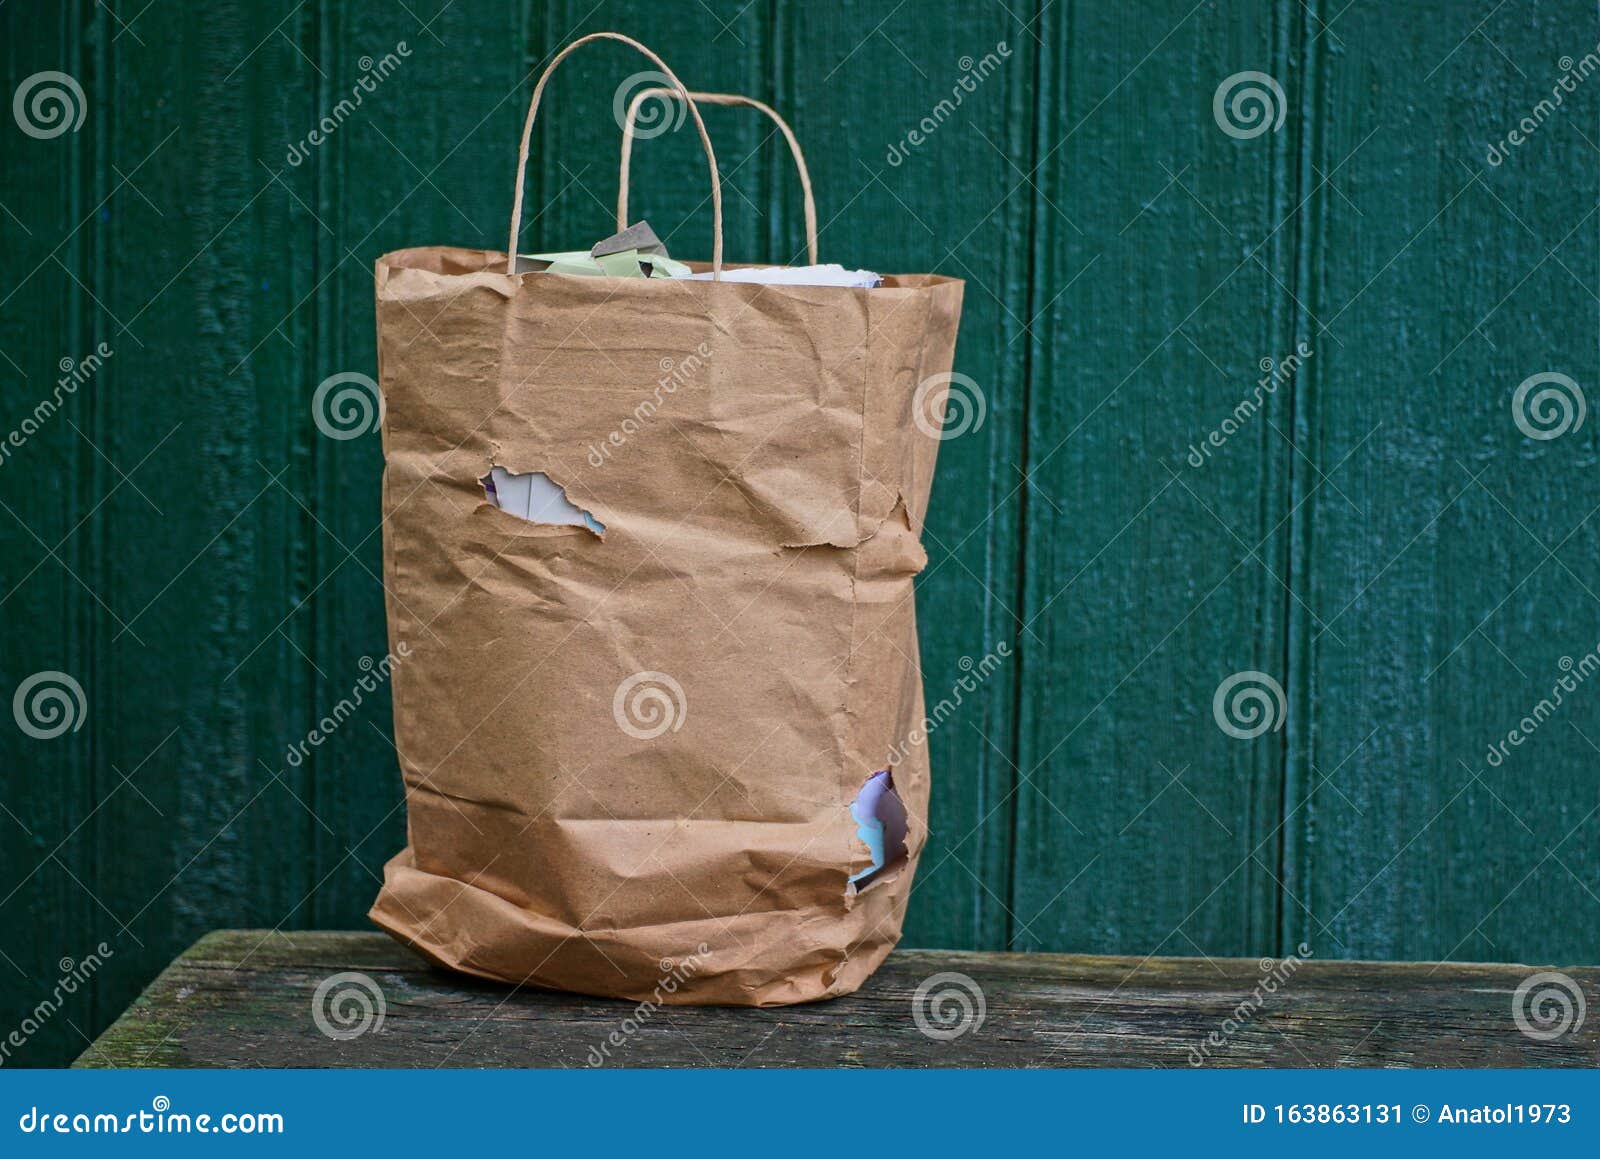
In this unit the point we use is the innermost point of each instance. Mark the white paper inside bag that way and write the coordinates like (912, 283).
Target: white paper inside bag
(832, 274)
(536, 497)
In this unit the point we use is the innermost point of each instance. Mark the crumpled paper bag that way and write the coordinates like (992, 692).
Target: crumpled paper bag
(623, 748)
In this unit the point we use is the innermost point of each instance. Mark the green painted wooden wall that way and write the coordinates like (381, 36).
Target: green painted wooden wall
(1383, 538)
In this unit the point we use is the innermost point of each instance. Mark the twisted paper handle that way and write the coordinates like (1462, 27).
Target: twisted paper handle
(716, 99)
(678, 88)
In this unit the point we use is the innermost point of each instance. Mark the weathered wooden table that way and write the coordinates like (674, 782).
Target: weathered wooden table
(251, 998)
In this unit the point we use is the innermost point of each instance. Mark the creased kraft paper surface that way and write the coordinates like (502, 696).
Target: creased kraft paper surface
(762, 528)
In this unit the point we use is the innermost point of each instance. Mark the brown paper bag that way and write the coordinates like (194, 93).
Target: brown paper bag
(629, 754)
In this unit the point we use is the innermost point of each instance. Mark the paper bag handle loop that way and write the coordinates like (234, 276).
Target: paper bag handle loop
(677, 88)
(717, 99)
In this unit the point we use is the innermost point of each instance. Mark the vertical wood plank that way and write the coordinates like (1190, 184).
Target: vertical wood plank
(1450, 553)
(47, 786)
(1162, 284)
(198, 542)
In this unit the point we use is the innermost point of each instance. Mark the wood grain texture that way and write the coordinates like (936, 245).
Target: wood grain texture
(1149, 580)
(1381, 538)
(45, 485)
(246, 998)
(1446, 577)
(197, 543)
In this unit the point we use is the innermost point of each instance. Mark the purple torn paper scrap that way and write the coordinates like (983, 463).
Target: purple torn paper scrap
(880, 818)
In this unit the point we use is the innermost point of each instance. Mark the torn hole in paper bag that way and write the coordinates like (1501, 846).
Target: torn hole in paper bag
(537, 498)
(880, 817)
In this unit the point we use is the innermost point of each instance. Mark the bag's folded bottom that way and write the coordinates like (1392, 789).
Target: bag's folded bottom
(758, 959)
